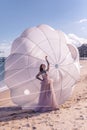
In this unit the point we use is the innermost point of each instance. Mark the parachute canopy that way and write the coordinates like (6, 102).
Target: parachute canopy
(28, 52)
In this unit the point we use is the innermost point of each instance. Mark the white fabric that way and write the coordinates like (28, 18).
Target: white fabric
(28, 52)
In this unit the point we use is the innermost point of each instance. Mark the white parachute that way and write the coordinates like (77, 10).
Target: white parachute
(28, 53)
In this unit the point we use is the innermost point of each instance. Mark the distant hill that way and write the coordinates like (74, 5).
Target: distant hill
(83, 50)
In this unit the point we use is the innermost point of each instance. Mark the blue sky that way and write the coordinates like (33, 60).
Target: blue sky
(69, 16)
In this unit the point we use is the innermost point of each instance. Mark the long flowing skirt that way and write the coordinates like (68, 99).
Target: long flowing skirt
(47, 99)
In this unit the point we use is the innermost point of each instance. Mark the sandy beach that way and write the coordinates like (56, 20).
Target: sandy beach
(71, 116)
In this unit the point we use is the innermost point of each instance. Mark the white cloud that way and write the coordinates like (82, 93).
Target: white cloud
(5, 49)
(82, 20)
(77, 41)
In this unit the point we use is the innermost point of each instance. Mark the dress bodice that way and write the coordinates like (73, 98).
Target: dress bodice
(44, 75)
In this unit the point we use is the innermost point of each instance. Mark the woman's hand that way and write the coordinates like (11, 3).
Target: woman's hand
(45, 57)
(47, 63)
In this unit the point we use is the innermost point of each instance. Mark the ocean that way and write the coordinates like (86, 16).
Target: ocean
(2, 72)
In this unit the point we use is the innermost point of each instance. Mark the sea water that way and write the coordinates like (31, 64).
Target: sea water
(2, 73)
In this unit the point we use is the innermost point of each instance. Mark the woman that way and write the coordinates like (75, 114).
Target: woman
(47, 99)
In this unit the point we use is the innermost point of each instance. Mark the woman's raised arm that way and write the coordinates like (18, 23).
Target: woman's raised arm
(48, 65)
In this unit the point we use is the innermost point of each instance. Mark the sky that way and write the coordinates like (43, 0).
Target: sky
(70, 16)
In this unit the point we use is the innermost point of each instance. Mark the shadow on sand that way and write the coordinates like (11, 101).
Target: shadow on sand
(15, 113)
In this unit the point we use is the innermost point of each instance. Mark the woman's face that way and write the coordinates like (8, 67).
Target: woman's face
(44, 66)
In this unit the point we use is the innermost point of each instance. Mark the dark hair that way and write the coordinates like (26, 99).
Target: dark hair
(41, 69)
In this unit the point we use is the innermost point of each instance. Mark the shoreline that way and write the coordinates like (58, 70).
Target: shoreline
(2, 89)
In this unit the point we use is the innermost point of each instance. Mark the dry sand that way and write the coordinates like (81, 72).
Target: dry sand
(71, 116)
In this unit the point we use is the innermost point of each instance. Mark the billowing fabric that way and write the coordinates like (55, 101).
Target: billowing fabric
(28, 53)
